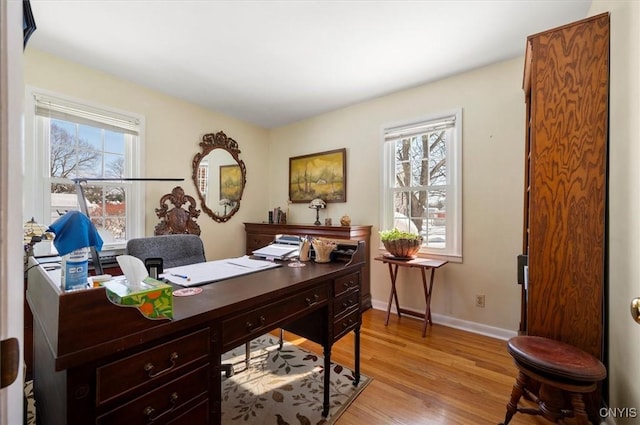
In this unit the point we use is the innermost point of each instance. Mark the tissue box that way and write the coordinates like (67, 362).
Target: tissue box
(152, 297)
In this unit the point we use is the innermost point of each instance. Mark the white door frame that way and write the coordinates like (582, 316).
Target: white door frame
(11, 153)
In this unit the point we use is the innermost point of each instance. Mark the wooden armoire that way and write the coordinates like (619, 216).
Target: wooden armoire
(566, 85)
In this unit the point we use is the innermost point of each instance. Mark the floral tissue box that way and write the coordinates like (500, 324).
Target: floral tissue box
(152, 297)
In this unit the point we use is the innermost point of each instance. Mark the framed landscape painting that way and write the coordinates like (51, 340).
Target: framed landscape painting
(320, 175)
(230, 182)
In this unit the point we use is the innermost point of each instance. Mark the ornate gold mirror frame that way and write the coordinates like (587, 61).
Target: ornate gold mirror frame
(219, 175)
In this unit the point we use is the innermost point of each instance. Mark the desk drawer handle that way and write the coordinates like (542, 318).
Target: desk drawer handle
(252, 328)
(345, 325)
(149, 367)
(347, 303)
(349, 284)
(150, 412)
(313, 301)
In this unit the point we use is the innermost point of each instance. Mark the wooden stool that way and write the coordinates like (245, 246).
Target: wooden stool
(554, 375)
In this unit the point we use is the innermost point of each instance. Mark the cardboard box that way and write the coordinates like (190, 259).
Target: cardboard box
(152, 297)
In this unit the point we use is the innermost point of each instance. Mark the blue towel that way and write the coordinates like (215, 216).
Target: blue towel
(73, 231)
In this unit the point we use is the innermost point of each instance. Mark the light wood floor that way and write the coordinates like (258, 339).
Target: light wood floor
(450, 377)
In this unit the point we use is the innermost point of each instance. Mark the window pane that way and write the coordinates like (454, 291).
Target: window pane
(436, 223)
(70, 157)
(63, 199)
(114, 142)
(113, 165)
(91, 135)
(438, 158)
(402, 163)
(107, 208)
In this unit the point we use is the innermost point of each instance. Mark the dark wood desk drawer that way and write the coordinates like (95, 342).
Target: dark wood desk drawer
(346, 303)
(164, 403)
(346, 283)
(344, 325)
(198, 415)
(124, 375)
(238, 329)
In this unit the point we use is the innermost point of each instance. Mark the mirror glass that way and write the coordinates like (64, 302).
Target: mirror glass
(219, 175)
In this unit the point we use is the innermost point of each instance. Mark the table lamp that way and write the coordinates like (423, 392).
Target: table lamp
(317, 204)
(33, 233)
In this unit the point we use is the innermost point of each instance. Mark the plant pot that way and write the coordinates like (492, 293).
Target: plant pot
(403, 248)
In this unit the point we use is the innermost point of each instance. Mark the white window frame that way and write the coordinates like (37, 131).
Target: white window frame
(37, 197)
(453, 250)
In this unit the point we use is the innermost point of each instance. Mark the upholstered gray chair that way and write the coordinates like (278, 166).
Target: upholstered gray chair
(175, 250)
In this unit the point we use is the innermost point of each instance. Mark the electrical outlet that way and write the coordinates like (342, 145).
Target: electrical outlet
(479, 300)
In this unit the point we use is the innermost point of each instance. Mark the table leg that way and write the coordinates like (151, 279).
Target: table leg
(433, 271)
(356, 379)
(393, 295)
(427, 298)
(327, 379)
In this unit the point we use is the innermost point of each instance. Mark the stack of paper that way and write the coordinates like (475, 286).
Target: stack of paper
(277, 251)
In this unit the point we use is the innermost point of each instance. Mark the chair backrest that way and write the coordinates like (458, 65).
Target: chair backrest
(175, 250)
(177, 220)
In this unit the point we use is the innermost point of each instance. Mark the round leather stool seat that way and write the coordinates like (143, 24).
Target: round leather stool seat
(555, 376)
(555, 358)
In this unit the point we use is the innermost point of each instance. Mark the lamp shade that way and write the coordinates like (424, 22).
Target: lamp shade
(317, 204)
(34, 232)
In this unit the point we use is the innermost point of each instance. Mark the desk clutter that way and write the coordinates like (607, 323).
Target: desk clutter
(306, 248)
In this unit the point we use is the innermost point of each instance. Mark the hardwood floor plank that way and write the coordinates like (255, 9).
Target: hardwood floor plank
(450, 377)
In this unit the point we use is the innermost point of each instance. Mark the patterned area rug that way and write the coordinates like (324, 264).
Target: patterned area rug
(281, 387)
(284, 387)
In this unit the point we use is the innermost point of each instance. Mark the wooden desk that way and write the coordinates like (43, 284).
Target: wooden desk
(262, 234)
(99, 363)
(423, 264)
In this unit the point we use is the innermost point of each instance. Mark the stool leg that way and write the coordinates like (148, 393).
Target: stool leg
(579, 411)
(516, 394)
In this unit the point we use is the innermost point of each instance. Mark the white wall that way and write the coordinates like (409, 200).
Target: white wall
(493, 156)
(174, 129)
(624, 203)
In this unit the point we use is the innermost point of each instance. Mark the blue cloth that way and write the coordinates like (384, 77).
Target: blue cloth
(73, 231)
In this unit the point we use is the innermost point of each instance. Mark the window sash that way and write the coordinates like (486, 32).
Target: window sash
(37, 157)
(67, 110)
(453, 200)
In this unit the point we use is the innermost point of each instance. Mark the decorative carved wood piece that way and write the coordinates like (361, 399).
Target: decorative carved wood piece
(177, 220)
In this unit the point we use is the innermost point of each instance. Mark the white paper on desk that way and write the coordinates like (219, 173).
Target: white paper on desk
(133, 269)
(275, 250)
(208, 272)
(250, 263)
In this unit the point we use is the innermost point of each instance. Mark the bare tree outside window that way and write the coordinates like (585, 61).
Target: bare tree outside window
(100, 153)
(420, 185)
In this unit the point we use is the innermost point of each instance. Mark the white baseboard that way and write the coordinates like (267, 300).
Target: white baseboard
(452, 322)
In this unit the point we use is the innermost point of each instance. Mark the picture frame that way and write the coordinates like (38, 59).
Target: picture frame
(319, 175)
(230, 182)
(28, 23)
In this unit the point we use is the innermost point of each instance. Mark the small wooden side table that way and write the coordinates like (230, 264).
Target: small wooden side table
(423, 264)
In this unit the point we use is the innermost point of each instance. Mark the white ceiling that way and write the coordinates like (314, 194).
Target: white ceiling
(272, 63)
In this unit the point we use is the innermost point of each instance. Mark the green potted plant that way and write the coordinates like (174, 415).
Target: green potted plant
(401, 244)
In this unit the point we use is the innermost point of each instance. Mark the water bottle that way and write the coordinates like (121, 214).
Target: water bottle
(75, 269)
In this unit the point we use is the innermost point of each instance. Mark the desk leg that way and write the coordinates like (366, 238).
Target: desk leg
(327, 379)
(356, 379)
(393, 272)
